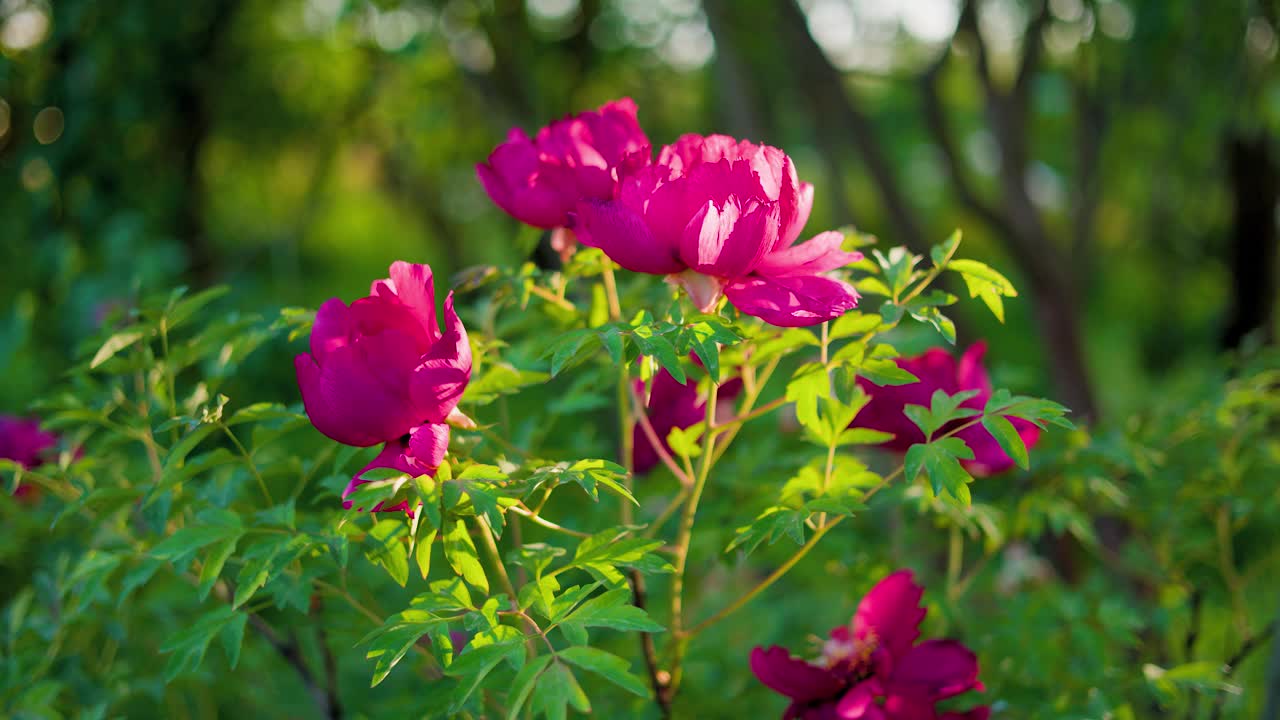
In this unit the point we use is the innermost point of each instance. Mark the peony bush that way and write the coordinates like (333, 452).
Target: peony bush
(571, 491)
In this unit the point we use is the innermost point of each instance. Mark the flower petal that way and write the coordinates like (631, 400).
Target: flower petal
(890, 614)
(798, 301)
(415, 287)
(438, 382)
(934, 670)
(819, 254)
(428, 445)
(793, 677)
(358, 396)
(331, 329)
(623, 235)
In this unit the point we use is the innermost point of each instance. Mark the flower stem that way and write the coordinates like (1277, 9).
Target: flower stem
(683, 539)
(248, 461)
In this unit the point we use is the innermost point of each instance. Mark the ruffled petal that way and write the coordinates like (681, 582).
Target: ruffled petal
(816, 255)
(415, 287)
(890, 614)
(437, 383)
(934, 670)
(623, 235)
(428, 445)
(793, 677)
(798, 301)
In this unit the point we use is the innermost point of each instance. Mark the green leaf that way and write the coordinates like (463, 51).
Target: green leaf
(1007, 436)
(422, 552)
(613, 609)
(661, 350)
(603, 552)
(476, 662)
(390, 646)
(180, 312)
(263, 560)
(572, 349)
(523, 684)
(213, 564)
(184, 543)
(386, 547)
(941, 460)
(556, 689)
(853, 323)
(116, 343)
(460, 551)
(232, 636)
(771, 525)
(190, 645)
(945, 250)
(606, 665)
(500, 378)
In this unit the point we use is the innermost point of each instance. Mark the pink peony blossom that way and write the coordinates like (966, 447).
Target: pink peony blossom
(937, 369)
(540, 180)
(721, 217)
(872, 668)
(673, 405)
(382, 367)
(22, 441)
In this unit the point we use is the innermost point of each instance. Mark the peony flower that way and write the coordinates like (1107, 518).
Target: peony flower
(872, 668)
(22, 441)
(673, 405)
(937, 369)
(540, 180)
(382, 368)
(418, 453)
(721, 217)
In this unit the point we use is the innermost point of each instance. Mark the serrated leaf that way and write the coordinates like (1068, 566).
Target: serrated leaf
(771, 525)
(941, 460)
(606, 665)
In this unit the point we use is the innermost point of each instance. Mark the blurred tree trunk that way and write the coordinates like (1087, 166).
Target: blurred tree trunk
(1015, 219)
(1255, 187)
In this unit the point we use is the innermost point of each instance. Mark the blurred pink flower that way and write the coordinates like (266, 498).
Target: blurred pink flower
(382, 367)
(721, 217)
(540, 180)
(22, 441)
(673, 405)
(937, 369)
(872, 668)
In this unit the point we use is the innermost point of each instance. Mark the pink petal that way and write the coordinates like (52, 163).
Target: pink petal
(624, 237)
(795, 214)
(890, 614)
(859, 703)
(415, 287)
(437, 383)
(428, 445)
(798, 301)
(748, 241)
(359, 396)
(819, 254)
(934, 670)
(331, 329)
(793, 677)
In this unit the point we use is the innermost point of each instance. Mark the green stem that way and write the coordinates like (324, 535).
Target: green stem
(248, 461)
(683, 539)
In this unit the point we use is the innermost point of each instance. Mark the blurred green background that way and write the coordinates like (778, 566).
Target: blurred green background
(1114, 156)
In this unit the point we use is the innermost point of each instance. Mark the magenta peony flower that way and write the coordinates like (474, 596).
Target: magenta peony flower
(872, 669)
(22, 441)
(539, 181)
(721, 216)
(937, 369)
(381, 367)
(673, 405)
(418, 453)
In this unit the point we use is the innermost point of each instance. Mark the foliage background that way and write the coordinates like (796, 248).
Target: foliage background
(1115, 157)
